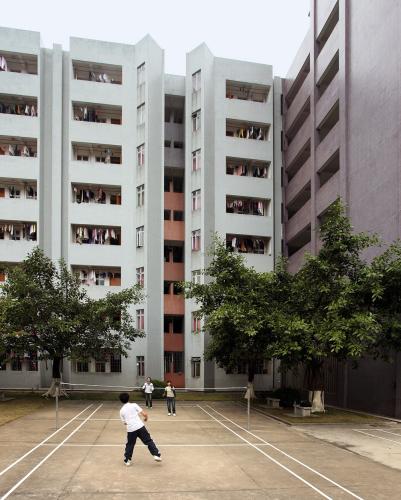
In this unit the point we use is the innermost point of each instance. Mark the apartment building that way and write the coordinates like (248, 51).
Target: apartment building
(341, 137)
(126, 173)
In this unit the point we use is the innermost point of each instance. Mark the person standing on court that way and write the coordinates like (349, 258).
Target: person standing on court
(169, 393)
(148, 389)
(130, 415)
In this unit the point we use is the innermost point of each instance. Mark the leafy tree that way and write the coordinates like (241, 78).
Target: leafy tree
(325, 314)
(233, 304)
(44, 309)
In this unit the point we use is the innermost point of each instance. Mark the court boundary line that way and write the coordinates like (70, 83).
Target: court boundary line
(24, 478)
(379, 430)
(42, 442)
(377, 437)
(289, 456)
(181, 445)
(270, 458)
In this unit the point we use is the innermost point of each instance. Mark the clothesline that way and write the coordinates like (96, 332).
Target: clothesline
(246, 245)
(12, 231)
(97, 236)
(18, 109)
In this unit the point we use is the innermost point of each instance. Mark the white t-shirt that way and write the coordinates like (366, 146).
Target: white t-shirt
(148, 387)
(129, 415)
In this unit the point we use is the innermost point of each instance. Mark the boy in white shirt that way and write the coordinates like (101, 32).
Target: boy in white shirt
(130, 415)
(148, 388)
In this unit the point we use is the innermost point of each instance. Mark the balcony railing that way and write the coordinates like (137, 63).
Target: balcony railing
(95, 72)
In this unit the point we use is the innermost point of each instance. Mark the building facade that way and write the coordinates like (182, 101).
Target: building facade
(127, 173)
(341, 137)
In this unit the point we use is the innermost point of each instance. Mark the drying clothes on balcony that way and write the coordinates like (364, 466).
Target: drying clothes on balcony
(250, 132)
(13, 231)
(31, 192)
(260, 172)
(246, 245)
(18, 109)
(96, 236)
(101, 77)
(3, 63)
(245, 207)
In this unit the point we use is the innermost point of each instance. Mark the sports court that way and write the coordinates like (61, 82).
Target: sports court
(207, 454)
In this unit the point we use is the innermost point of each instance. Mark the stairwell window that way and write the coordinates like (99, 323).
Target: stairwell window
(140, 155)
(196, 121)
(197, 277)
(140, 276)
(196, 81)
(196, 160)
(196, 323)
(140, 195)
(140, 319)
(140, 115)
(140, 236)
(140, 366)
(196, 240)
(196, 200)
(140, 82)
(195, 367)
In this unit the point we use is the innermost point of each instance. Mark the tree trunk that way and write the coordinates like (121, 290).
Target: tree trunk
(55, 388)
(314, 375)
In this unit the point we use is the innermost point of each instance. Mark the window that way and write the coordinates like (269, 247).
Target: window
(140, 366)
(196, 323)
(140, 236)
(196, 81)
(195, 367)
(100, 278)
(115, 363)
(140, 115)
(197, 277)
(167, 143)
(16, 363)
(178, 215)
(167, 215)
(196, 121)
(166, 289)
(140, 319)
(173, 324)
(140, 74)
(178, 185)
(140, 276)
(196, 158)
(196, 240)
(32, 361)
(140, 155)
(196, 200)
(178, 145)
(100, 366)
(81, 366)
(140, 195)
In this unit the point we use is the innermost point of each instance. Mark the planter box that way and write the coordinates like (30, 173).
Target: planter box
(302, 411)
(273, 402)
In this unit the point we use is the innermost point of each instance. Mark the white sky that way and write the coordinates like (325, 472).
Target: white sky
(265, 31)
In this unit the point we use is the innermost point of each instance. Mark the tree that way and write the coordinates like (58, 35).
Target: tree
(44, 309)
(233, 304)
(325, 314)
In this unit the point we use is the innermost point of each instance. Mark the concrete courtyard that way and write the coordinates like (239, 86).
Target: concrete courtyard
(207, 451)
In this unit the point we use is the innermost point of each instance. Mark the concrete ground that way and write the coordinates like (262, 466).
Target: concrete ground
(207, 454)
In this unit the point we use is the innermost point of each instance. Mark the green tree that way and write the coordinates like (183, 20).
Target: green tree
(44, 309)
(325, 313)
(233, 303)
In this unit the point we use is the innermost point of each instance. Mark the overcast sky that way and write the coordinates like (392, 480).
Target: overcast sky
(265, 31)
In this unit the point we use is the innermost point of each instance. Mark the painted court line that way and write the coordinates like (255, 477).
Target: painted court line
(270, 458)
(205, 445)
(377, 437)
(289, 456)
(172, 419)
(16, 485)
(379, 430)
(42, 442)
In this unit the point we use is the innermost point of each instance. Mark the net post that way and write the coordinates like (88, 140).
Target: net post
(249, 413)
(56, 410)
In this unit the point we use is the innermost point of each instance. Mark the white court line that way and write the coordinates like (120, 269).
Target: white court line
(206, 445)
(269, 457)
(173, 419)
(379, 430)
(377, 437)
(289, 456)
(16, 485)
(42, 442)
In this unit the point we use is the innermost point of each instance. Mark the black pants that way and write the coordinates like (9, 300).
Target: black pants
(148, 399)
(171, 405)
(144, 436)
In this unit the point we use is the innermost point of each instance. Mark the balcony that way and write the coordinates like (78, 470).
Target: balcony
(174, 201)
(95, 72)
(248, 206)
(299, 101)
(327, 53)
(296, 260)
(15, 125)
(91, 194)
(19, 84)
(240, 243)
(238, 109)
(96, 124)
(298, 182)
(174, 342)
(98, 277)
(174, 304)
(328, 146)
(174, 230)
(18, 158)
(174, 271)
(21, 63)
(298, 221)
(18, 201)
(17, 239)
(328, 193)
(327, 100)
(300, 140)
(174, 154)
